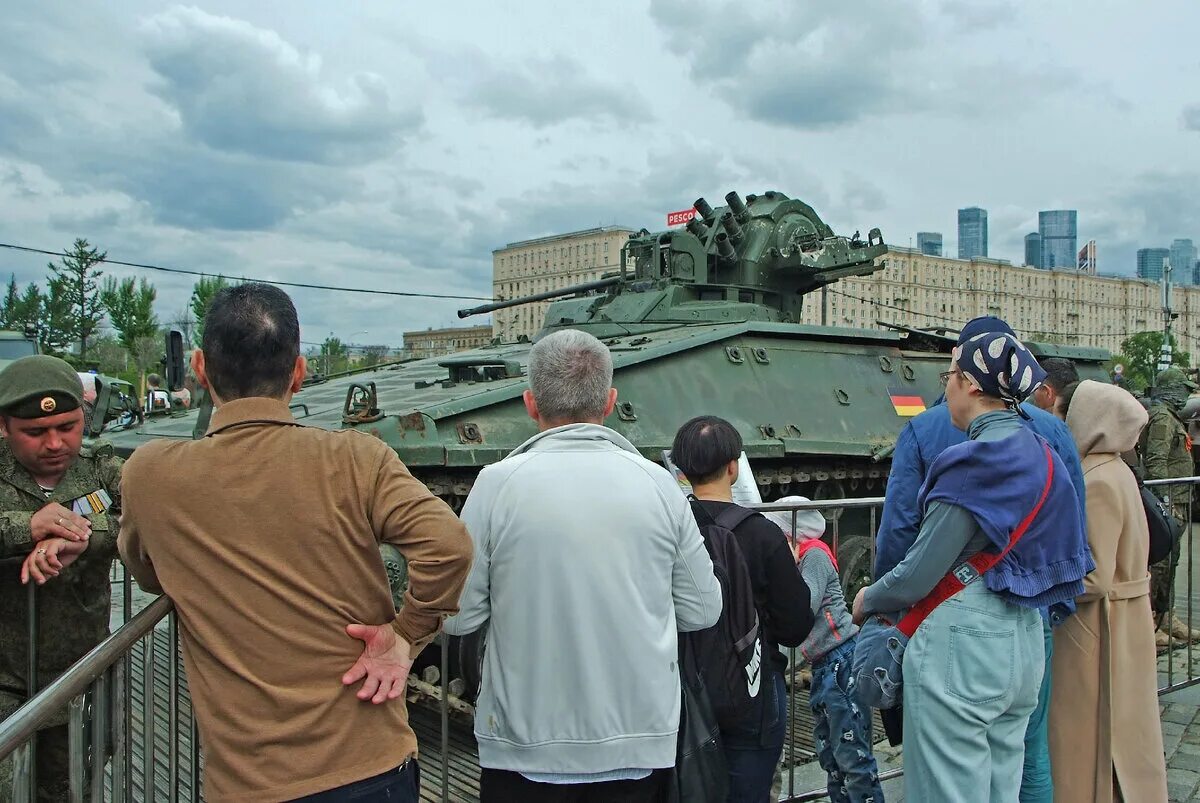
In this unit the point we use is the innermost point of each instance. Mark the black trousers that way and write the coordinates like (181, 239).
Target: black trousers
(399, 785)
(503, 786)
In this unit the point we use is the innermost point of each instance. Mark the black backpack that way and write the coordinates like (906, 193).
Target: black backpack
(729, 655)
(1165, 529)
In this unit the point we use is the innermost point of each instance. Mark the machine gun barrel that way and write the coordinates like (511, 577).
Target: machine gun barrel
(599, 284)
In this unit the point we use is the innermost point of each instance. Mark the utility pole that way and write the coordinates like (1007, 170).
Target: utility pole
(1165, 357)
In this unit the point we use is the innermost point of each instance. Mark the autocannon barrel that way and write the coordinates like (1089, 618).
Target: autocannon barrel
(599, 284)
(730, 224)
(698, 229)
(737, 207)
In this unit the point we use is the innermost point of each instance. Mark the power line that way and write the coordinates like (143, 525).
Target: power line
(952, 323)
(304, 285)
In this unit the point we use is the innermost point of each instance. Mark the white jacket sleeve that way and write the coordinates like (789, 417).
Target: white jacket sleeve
(475, 604)
(694, 587)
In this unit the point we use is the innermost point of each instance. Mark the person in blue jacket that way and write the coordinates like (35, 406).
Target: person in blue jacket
(920, 442)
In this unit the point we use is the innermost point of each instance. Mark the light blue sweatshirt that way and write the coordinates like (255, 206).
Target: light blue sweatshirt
(588, 562)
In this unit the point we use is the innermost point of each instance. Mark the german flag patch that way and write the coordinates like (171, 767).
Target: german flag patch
(97, 501)
(906, 404)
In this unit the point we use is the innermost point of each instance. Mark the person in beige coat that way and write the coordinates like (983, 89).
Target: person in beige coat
(1105, 735)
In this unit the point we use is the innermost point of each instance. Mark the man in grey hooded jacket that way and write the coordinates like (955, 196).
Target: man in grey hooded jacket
(588, 563)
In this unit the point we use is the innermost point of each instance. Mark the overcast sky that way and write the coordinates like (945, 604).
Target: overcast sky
(394, 145)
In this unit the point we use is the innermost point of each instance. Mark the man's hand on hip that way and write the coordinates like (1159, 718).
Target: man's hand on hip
(55, 521)
(384, 663)
(49, 558)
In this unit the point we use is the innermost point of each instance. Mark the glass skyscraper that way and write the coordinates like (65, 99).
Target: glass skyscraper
(930, 243)
(1060, 243)
(1033, 249)
(972, 232)
(1183, 261)
(1150, 263)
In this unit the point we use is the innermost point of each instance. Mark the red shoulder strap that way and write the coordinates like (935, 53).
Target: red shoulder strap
(973, 567)
(805, 544)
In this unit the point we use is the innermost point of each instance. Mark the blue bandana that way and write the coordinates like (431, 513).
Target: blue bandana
(1000, 365)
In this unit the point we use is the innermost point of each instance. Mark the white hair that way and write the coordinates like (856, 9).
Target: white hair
(90, 388)
(570, 374)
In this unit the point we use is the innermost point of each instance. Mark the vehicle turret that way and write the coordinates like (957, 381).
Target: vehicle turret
(746, 261)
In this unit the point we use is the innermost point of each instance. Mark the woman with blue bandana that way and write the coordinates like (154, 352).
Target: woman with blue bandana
(973, 668)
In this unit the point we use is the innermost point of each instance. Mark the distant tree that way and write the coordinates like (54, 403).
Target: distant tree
(21, 310)
(185, 323)
(130, 307)
(57, 326)
(73, 282)
(333, 356)
(1140, 353)
(373, 355)
(108, 356)
(12, 300)
(147, 352)
(202, 296)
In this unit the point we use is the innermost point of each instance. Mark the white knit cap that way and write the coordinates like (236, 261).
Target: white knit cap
(809, 523)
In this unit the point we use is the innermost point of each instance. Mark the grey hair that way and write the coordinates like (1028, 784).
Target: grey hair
(570, 374)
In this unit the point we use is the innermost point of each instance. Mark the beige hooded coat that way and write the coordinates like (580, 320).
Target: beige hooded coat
(1104, 724)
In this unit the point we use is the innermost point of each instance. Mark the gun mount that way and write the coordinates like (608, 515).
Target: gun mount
(562, 292)
(746, 261)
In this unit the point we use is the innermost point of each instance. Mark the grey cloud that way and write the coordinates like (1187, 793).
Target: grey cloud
(1191, 117)
(243, 89)
(805, 65)
(1148, 210)
(81, 225)
(828, 65)
(256, 137)
(977, 15)
(547, 91)
(863, 195)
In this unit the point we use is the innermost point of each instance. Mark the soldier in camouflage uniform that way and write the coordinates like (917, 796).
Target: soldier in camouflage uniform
(1166, 453)
(59, 507)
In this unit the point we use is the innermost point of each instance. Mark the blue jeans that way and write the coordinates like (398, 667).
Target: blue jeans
(972, 672)
(841, 731)
(399, 785)
(752, 751)
(1036, 784)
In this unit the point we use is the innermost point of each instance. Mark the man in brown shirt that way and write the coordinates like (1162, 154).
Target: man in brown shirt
(265, 533)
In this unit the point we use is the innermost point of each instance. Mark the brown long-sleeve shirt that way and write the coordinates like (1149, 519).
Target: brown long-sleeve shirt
(265, 533)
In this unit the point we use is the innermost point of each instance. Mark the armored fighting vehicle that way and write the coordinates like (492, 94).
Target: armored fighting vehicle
(15, 345)
(700, 320)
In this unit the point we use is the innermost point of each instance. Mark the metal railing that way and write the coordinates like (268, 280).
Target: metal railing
(131, 689)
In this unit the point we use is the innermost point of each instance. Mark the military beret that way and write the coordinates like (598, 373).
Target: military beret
(39, 386)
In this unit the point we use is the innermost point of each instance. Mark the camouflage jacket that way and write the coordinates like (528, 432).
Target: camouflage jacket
(1166, 453)
(73, 608)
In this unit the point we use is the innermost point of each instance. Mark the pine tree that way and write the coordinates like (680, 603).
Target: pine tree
(12, 303)
(57, 325)
(76, 275)
(202, 296)
(130, 307)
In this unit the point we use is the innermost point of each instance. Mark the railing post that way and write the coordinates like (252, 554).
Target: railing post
(793, 671)
(31, 684)
(127, 672)
(76, 749)
(23, 782)
(100, 704)
(445, 706)
(120, 730)
(148, 717)
(195, 790)
(173, 707)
